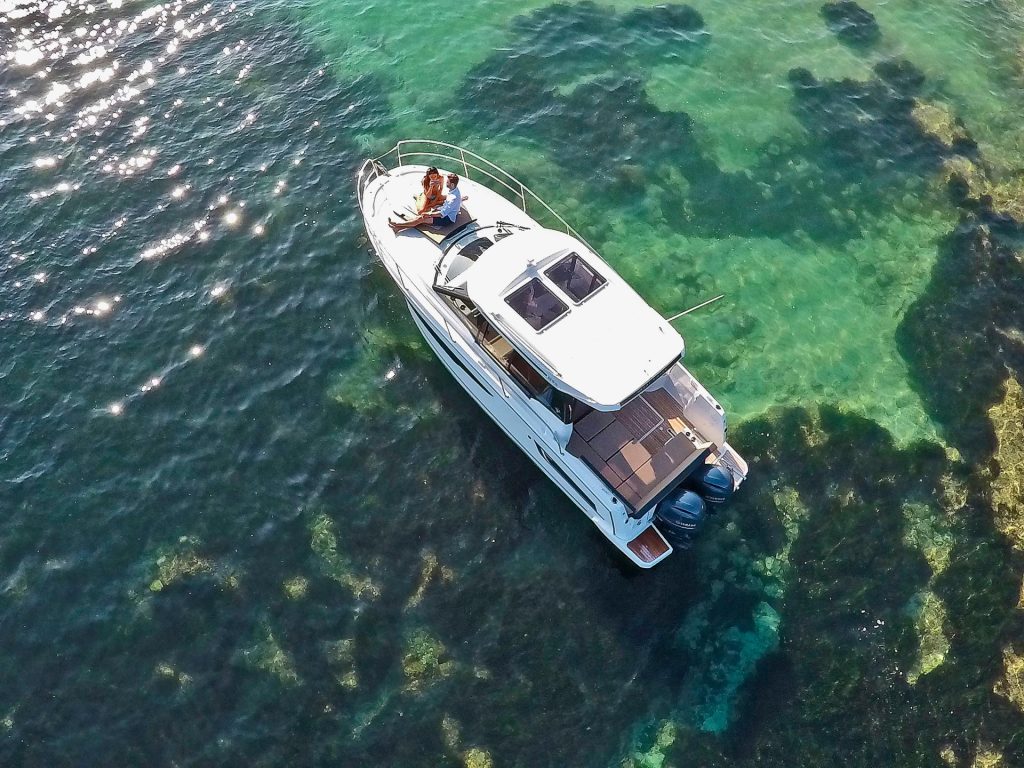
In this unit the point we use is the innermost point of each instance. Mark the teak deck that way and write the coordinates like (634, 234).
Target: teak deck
(648, 546)
(641, 450)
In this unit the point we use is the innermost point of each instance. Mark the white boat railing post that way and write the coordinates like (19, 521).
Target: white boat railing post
(465, 167)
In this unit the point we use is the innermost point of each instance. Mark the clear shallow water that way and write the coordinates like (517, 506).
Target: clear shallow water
(249, 520)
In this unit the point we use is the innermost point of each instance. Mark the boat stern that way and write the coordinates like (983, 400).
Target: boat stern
(649, 548)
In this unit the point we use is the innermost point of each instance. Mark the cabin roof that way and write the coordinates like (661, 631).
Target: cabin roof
(600, 349)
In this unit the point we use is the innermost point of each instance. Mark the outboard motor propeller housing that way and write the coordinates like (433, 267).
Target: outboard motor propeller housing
(714, 483)
(680, 517)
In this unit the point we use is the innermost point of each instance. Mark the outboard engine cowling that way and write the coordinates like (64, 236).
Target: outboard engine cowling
(713, 482)
(680, 517)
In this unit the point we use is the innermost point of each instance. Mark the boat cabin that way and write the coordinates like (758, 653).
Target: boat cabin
(577, 338)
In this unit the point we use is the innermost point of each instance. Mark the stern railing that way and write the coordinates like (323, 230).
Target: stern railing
(470, 162)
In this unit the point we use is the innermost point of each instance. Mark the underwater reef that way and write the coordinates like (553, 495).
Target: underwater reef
(851, 23)
(894, 625)
(964, 335)
(634, 148)
(858, 603)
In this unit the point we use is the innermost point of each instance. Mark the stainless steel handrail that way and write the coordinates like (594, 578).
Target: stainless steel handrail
(469, 161)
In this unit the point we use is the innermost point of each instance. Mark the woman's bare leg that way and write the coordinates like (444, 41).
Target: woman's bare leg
(398, 226)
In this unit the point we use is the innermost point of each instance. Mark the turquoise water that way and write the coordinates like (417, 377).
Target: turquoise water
(249, 520)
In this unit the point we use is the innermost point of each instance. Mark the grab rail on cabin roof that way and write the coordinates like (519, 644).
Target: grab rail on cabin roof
(469, 161)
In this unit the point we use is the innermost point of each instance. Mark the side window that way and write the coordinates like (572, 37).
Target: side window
(564, 406)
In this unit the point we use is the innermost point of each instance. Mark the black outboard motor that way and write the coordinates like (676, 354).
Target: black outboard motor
(714, 483)
(680, 517)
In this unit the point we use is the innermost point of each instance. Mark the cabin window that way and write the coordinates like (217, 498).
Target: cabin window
(536, 304)
(465, 256)
(457, 266)
(473, 249)
(574, 276)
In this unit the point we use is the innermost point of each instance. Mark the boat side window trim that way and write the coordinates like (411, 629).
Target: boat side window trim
(461, 256)
(574, 277)
(518, 368)
(454, 358)
(536, 304)
(564, 475)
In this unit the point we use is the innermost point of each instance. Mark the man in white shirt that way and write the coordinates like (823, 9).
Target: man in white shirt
(440, 216)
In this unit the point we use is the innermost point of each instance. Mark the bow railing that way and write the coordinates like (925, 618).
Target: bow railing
(428, 152)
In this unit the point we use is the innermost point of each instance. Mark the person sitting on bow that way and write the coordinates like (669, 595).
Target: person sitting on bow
(440, 216)
(433, 191)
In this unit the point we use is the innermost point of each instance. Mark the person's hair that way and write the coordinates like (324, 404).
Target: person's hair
(453, 178)
(431, 170)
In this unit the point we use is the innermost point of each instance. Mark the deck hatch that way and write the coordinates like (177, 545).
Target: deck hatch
(575, 277)
(536, 304)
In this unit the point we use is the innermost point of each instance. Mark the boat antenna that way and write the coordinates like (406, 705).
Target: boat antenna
(699, 306)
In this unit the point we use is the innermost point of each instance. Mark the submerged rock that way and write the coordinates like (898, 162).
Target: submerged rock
(325, 544)
(451, 735)
(364, 384)
(987, 757)
(655, 756)
(341, 658)
(931, 532)
(929, 618)
(1008, 487)
(938, 120)
(901, 75)
(296, 587)
(971, 186)
(860, 122)
(166, 671)
(267, 655)
(425, 660)
(179, 563)
(477, 758)
(1011, 685)
(963, 325)
(851, 23)
(664, 23)
(431, 571)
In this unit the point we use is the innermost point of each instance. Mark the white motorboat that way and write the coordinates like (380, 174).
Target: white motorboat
(557, 348)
